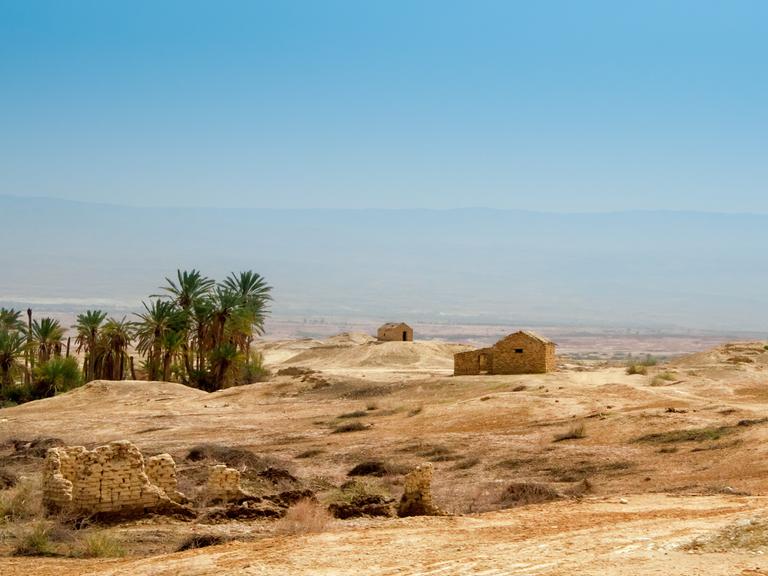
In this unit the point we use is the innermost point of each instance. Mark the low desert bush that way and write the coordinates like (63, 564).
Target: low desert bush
(349, 427)
(634, 369)
(355, 414)
(229, 455)
(376, 468)
(200, 541)
(574, 433)
(304, 517)
(522, 493)
(253, 371)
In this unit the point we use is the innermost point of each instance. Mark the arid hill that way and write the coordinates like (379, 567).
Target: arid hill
(582, 471)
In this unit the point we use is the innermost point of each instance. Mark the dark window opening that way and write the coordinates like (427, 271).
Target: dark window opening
(518, 350)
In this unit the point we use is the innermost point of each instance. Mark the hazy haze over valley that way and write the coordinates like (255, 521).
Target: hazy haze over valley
(621, 269)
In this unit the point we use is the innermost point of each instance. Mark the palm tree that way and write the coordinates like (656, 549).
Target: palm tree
(46, 336)
(254, 293)
(12, 347)
(186, 292)
(188, 288)
(112, 349)
(10, 320)
(160, 318)
(87, 326)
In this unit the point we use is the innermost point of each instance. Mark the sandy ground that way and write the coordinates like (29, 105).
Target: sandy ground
(650, 497)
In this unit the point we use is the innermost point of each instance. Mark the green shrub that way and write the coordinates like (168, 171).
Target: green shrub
(55, 376)
(253, 370)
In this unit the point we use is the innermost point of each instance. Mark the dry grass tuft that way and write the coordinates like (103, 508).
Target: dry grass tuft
(100, 545)
(304, 517)
(22, 502)
(34, 540)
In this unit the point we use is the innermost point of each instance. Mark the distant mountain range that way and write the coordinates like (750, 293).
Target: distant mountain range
(698, 270)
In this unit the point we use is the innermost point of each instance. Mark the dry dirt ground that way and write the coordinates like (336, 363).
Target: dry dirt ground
(674, 463)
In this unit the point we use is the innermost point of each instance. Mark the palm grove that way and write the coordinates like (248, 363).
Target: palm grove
(196, 331)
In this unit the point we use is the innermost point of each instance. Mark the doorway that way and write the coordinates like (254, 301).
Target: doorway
(405, 336)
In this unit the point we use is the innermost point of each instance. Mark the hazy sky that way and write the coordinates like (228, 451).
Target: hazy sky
(565, 105)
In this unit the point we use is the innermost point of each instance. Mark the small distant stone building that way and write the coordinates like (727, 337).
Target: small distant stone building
(519, 353)
(395, 332)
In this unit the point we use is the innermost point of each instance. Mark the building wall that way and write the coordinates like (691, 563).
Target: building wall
(535, 357)
(467, 363)
(395, 333)
(521, 354)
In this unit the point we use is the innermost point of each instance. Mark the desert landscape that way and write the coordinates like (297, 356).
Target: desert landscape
(402, 287)
(585, 470)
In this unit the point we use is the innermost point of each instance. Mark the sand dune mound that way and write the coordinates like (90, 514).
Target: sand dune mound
(101, 392)
(343, 353)
(728, 354)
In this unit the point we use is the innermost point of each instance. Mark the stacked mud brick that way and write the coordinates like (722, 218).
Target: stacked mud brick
(417, 493)
(108, 479)
(223, 484)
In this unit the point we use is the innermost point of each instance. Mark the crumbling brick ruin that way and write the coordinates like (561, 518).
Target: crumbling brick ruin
(110, 479)
(224, 484)
(395, 332)
(519, 353)
(417, 493)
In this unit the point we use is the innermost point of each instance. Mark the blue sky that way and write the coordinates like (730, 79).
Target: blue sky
(545, 105)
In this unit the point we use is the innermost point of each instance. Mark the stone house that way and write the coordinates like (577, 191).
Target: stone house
(395, 332)
(519, 353)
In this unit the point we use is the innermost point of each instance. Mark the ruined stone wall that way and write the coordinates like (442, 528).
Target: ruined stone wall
(161, 471)
(395, 333)
(417, 493)
(108, 479)
(223, 484)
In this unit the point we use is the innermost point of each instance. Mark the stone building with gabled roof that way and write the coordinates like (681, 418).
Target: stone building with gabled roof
(520, 353)
(395, 332)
